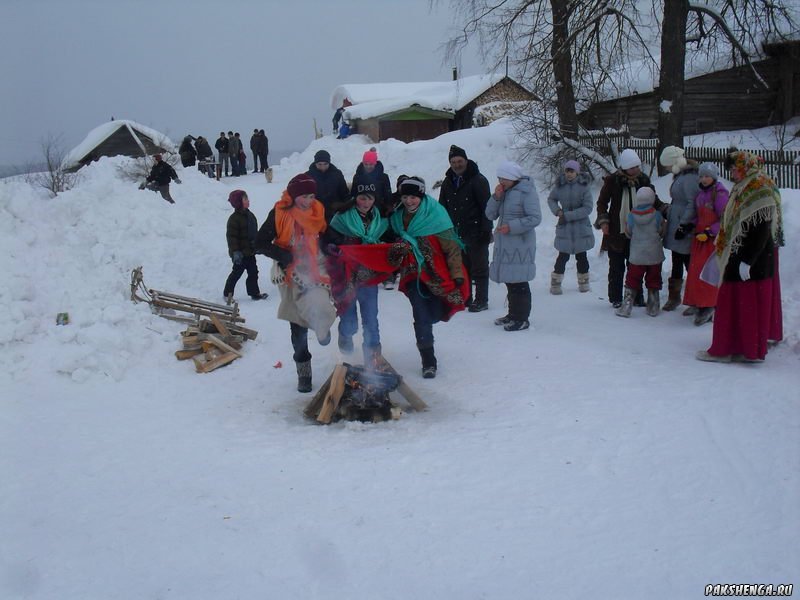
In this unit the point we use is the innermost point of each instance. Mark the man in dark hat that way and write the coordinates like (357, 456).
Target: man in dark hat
(464, 193)
(331, 187)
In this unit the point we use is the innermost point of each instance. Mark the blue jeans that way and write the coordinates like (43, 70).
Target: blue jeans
(367, 299)
(427, 310)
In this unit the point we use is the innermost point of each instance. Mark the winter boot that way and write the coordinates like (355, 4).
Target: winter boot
(583, 283)
(517, 325)
(626, 307)
(346, 344)
(503, 320)
(428, 362)
(303, 376)
(653, 303)
(674, 299)
(690, 311)
(555, 283)
(703, 316)
(481, 300)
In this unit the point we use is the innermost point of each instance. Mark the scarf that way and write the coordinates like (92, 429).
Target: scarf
(351, 224)
(298, 230)
(430, 218)
(755, 199)
(627, 200)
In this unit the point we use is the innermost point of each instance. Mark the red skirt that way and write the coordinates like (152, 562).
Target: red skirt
(698, 292)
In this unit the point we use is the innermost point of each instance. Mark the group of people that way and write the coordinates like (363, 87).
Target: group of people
(231, 157)
(334, 244)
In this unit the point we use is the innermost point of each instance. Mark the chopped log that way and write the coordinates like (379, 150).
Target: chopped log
(213, 339)
(220, 326)
(220, 361)
(313, 408)
(207, 326)
(405, 390)
(187, 353)
(335, 391)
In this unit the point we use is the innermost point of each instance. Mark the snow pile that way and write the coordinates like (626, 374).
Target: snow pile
(553, 459)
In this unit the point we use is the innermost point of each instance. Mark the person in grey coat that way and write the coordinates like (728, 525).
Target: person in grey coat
(683, 191)
(571, 202)
(515, 205)
(645, 228)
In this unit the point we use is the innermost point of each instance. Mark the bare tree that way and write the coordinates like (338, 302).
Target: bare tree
(715, 31)
(51, 173)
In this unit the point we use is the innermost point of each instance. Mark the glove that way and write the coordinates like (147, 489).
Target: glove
(459, 281)
(285, 258)
(683, 230)
(178, 181)
(332, 250)
(702, 236)
(237, 257)
(744, 271)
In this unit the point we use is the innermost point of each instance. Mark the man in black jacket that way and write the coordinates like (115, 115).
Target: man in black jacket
(222, 148)
(331, 187)
(263, 150)
(160, 176)
(464, 194)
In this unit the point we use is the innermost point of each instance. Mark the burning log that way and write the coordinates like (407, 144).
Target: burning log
(357, 393)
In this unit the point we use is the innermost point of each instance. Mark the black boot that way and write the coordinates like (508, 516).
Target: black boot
(428, 362)
(481, 300)
(304, 376)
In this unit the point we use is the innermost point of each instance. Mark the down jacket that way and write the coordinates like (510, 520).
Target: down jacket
(514, 256)
(574, 232)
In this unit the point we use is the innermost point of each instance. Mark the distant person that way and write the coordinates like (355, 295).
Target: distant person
(234, 148)
(515, 205)
(464, 194)
(254, 149)
(160, 176)
(337, 116)
(571, 201)
(187, 152)
(344, 131)
(222, 148)
(682, 191)
(331, 187)
(263, 150)
(645, 228)
(241, 234)
(370, 171)
(242, 155)
(204, 154)
(615, 202)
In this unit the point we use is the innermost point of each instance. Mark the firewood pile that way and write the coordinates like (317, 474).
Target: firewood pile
(362, 393)
(212, 344)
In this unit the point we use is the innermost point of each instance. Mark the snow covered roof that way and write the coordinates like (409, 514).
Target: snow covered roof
(373, 99)
(146, 140)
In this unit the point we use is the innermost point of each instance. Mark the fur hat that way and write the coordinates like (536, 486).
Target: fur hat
(413, 186)
(370, 157)
(236, 198)
(509, 170)
(645, 195)
(629, 159)
(456, 151)
(673, 157)
(708, 169)
(573, 165)
(322, 156)
(300, 185)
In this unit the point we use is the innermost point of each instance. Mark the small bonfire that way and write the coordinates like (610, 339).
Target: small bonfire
(362, 393)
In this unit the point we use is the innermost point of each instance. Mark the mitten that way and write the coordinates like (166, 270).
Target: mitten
(459, 281)
(178, 180)
(285, 258)
(237, 257)
(683, 230)
(744, 271)
(702, 236)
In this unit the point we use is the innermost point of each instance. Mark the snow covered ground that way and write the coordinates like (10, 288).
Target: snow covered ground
(590, 457)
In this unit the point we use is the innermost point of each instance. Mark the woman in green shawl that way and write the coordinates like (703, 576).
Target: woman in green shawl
(748, 311)
(432, 275)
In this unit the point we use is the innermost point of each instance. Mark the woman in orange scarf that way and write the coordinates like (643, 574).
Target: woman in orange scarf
(290, 236)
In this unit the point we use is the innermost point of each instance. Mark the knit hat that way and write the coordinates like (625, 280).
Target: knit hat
(573, 165)
(672, 157)
(456, 151)
(300, 185)
(413, 186)
(708, 169)
(322, 156)
(401, 179)
(629, 159)
(365, 188)
(236, 198)
(370, 157)
(509, 170)
(645, 195)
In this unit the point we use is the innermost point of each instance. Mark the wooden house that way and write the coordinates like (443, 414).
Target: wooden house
(425, 110)
(724, 100)
(120, 137)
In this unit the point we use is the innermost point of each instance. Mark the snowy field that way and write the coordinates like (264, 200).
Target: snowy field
(589, 457)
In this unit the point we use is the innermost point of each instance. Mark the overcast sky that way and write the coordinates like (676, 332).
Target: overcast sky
(200, 67)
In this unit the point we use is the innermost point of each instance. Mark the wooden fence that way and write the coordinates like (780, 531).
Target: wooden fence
(782, 165)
